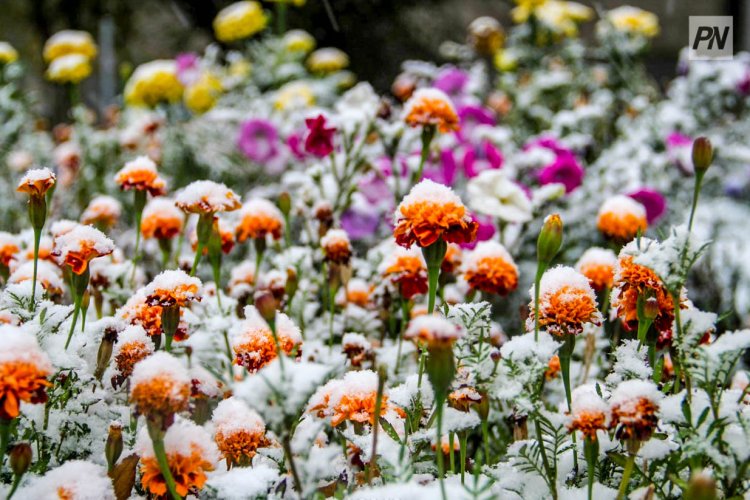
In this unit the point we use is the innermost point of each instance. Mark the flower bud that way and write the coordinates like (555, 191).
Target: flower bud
(266, 305)
(292, 283)
(485, 35)
(550, 238)
(113, 448)
(701, 487)
(285, 203)
(703, 154)
(20, 458)
(651, 308)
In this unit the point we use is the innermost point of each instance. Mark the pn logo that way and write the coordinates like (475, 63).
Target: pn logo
(711, 38)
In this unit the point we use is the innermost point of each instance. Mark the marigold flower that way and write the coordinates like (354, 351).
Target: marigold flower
(159, 385)
(153, 83)
(226, 233)
(81, 244)
(357, 348)
(634, 405)
(633, 20)
(351, 399)
(486, 35)
(598, 265)
(464, 398)
(24, 369)
(8, 248)
(67, 42)
(633, 280)
(173, 287)
(239, 20)
(406, 269)
(452, 260)
(336, 246)
(566, 302)
(132, 346)
(242, 278)
(621, 218)
(254, 346)
(203, 94)
(490, 269)
(259, 218)
(161, 219)
(8, 54)
(327, 60)
(553, 368)
(136, 311)
(140, 174)
(71, 68)
(190, 453)
(589, 412)
(525, 8)
(102, 210)
(205, 197)
(73, 480)
(431, 107)
(358, 292)
(294, 95)
(433, 330)
(36, 182)
(432, 211)
(238, 431)
(48, 276)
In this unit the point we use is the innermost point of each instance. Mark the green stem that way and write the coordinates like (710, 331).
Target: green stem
(433, 256)
(197, 259)
(439, 448)
(16, 482)
(76, 312)
(168, 342)
(161, 458)
(422, 358)
(138, 204)
(37, 239)
(626, 477)
(428, 133)
(462, 453)
(540, 268)
(591, 451)
(566, 352)
(486, 440)
(331, 311)
(696, 194)
(550, 473)
(230, 357)
(292, 466)
(451, 456)
(4, 437)
(404, 322)
(281, 17)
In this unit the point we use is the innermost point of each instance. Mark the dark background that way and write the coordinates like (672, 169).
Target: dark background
(377, 34)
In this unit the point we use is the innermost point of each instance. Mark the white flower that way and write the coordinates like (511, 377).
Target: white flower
(492, 193)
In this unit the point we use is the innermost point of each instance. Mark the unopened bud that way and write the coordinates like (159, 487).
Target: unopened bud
(113, 448)
(651, 308)
(550, 238)
(292, 282)
(701, 487)
(20, 458)
(266, 305)
(485, 35)
(285, 203)
(703, 154)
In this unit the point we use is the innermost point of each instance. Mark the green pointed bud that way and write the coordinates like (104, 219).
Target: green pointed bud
(114, 446)
(550, 239)
(701, 487)
(266, 305)
(285, 203)
(703, 154)
(20, 458)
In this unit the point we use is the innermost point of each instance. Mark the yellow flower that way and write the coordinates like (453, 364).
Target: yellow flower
(152, 83)
(327, 60)
(633, 20)
(299, 41)
(294, 95)
(71, 68)
(8, 54)
(203, 94)
(505, 60)
(240, 68)
(524, 9)
(563, 17)
(67, 42)
(239, 20)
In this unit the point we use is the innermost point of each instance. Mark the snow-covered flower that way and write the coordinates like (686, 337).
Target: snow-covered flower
(430, 107)
(634, 405)
(598, 265)
(24, 369)
(254, 346)
(238, 431)
(633, 20)
(161, 219)
(490, 268)
(73, 480)
(433, 330)
(621, 218)
(79, 245)
(406, 269)
(153, 83)
(140, 174)
(336, 246)
(36, 182)
(8, 248)
(67, 42)
(132, 346)
(204, 197)
(589, 412)
(103, 211)
(327, 60)
(358, 292)
(258, 219)
(239, 20)
(173, 287)
(159, 386)
(70, 68)
(493, 193)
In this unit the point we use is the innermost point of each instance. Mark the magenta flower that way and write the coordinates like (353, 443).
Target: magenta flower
(296, 145)
(564, 170)
(319, 140)
(676, 140)
(452, 81)
(485, 232)
(470, 117)
(744, 86)
(258, 140)
(653, 201)
(484, 156)
(187, 67)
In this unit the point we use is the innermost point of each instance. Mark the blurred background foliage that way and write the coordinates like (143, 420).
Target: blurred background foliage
(377, 34)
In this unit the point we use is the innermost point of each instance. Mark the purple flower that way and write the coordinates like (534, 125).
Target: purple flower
(679, 150)
(360, 224)
(653, 201)
(676, 140)
(451, 80)
(444, 170)
(564, 170)
(258, 140)
(744, 86)
(470, 116)
(484, 156)
(485, 232)
(187, 67)
(319, 140)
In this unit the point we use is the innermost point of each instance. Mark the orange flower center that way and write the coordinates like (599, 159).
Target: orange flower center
(433, 112)
(20, 381)
(239, 447)
(425, 222)
(600, 276)
(493, 275)
(160, 395)
(588, 422)
(260, 349)
(189, 473)
(566, 311)
(621, 227)
(161, 226)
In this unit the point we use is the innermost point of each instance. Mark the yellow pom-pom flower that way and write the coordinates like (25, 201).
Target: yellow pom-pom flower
(67, 42)
(327, 60)
(153, 83)
(294, 95)
(299, 41)
(239, 21)
(8, 54)
(71, 68)
(203, 94)
(635, 21)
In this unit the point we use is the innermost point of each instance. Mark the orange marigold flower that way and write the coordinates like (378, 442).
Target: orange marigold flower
(589, 412)
(241, 279)
(24, 369)
(258, 219)
(634, 406)
(81, 244)
(103, 210)
(433, 107)
(254, 347)
(48, 276)
(73, 480)
(432, 211)
(173, 288)
(357, 348)
(160, 385)
(36, 182)
(190, 454)
(161, 219)
(8, 248)
(598, 265)
(632, 280)
(464, 398)
(406, 269)
(141, 175)
(621, 218)
(351, 398)
(553, 368)
(132, 346)
(433, 330)
(490, 268)
(336, 246)
(136, 311)
(358, 292)
(239, 431)
(207, 197)
(566, 302)
(452, 259)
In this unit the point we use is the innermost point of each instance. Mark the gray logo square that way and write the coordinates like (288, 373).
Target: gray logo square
(711, 38)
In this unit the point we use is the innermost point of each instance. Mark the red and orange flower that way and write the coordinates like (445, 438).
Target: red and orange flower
(24, 369)
(621, 218)
(431, 107)
(140, 175)
(490, 268)
(258, 219)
